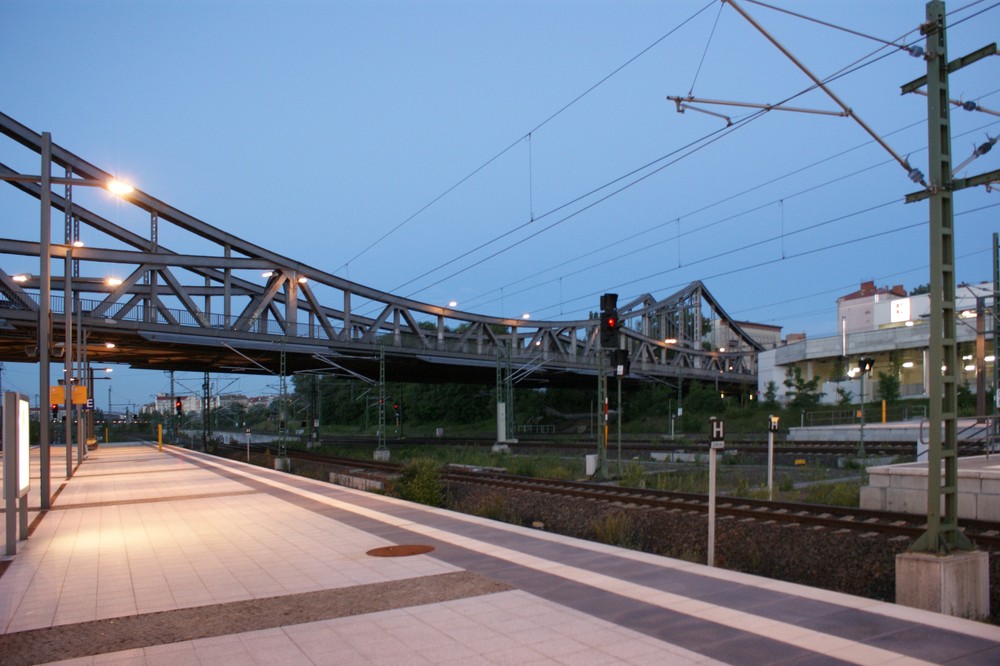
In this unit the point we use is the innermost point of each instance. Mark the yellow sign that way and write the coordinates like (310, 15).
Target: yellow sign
(57, 395)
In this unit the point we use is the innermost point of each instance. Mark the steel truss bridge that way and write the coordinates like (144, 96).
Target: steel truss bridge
(239, 307)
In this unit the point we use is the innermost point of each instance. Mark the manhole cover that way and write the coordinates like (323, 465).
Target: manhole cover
(400, 551)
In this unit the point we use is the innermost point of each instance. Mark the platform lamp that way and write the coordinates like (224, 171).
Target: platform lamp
(772, 427)
(45, 182)
(865, 365)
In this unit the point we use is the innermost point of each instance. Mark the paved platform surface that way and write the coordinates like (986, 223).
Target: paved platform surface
(176, 557)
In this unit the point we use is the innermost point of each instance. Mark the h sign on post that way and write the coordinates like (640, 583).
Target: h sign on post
(718, 430)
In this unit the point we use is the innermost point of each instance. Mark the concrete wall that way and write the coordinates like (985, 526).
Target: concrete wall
(904, 488)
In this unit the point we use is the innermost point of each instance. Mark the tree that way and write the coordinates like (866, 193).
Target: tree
(844, 397)
(802, 393)
(771, 395)
(921, 289)
(888, 386)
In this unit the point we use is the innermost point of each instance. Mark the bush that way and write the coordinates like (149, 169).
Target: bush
(420, 481)
(616, 528)
(633, 476)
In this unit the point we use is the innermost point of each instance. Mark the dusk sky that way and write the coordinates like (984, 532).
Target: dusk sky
(516, 156)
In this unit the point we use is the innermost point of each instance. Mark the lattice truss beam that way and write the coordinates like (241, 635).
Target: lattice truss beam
(239, 295)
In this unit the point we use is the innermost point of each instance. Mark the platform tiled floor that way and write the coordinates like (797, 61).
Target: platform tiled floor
(137, 531)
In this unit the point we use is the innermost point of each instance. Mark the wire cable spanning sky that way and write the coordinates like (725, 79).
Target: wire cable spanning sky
(520, 156)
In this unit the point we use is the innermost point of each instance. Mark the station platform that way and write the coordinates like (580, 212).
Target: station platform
(177, 557)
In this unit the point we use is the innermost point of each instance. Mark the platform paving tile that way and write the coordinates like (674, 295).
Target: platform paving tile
(588, 603)
(745, 594)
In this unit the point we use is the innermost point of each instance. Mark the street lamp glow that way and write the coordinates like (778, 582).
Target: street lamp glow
(109, 345)
(20, 277)
(112, 281)
(303, 280)
(670, 341)
(452, 304)
(78, 243)
(526, 315)
(267, 274)
(119, 187)
(908, 364)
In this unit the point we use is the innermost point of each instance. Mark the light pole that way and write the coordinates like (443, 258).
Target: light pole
(772, 427)
(865, 364)
(45, 182)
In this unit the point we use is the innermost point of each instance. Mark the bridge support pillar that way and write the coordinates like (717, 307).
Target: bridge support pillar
(954, 584)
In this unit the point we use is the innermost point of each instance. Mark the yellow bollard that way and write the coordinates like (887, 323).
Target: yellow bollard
(159, 435)
(883, 411)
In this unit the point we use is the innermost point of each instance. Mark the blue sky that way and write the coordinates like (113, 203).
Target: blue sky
(322, 130)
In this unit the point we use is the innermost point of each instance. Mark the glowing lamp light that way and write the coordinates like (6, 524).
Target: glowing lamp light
(908, 364)
(303, 280)
(21, 277)
(990, 358)
(109, 345)
(78, 243)
(112, 281)
(267, 274)
(670, 341)
(908, 323)
(970, 368)
(452, 304)
(526, 315)
(119, 187)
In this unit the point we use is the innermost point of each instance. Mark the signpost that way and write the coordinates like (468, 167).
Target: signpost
(716, 443)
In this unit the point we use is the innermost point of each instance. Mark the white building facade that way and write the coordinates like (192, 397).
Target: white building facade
(893, 329)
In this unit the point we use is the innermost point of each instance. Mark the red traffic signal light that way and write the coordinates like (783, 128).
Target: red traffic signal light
(55, 410)
(609, 321)
(179, 407)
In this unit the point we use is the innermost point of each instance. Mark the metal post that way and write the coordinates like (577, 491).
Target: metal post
(173, 408)
(619, 420)
(602, 404)
(861, 434)
(770, 463)
(68, 357)
(942, 533)
(44, 319)
(711, 507)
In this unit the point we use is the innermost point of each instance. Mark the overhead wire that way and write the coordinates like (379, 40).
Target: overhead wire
(850, 68)
(768, 262)
(475, 300)
(842, 288)
(540, 125)
(847, 70)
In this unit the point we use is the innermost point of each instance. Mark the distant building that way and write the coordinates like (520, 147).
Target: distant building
(857, 311)
(890, 327)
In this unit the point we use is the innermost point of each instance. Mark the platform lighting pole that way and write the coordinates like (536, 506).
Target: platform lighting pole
(45, 182)
(44, 318)
(68, 357)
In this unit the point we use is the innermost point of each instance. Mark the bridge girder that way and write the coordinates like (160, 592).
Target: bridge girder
(178, 311)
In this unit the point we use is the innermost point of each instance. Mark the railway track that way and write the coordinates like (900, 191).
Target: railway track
(985, 534)
(799, 449)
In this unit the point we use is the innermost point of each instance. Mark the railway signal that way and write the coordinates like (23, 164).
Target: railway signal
(179, 407)
(610, 323)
